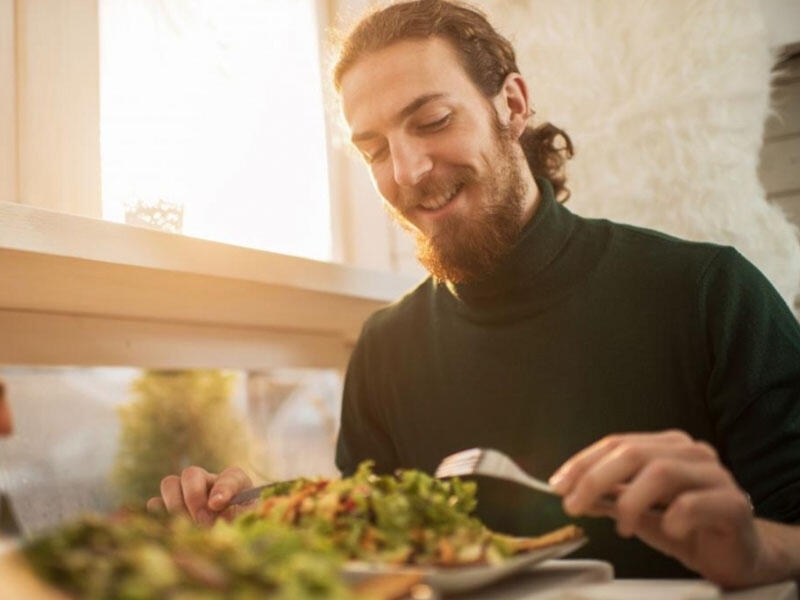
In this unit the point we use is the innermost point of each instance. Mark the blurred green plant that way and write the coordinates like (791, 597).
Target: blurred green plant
(176, 419)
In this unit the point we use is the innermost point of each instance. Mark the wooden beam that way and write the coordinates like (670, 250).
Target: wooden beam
(31, 338)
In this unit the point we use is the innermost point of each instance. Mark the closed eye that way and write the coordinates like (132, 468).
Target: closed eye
(371, 157)
(436, 125)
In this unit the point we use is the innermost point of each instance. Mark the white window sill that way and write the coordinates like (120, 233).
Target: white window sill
(80, 291)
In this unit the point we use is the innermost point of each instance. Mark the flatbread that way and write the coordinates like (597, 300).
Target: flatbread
(553, 538)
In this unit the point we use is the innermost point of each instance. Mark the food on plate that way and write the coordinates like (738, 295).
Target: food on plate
(142, 556)
(405, 518)
(292, 544)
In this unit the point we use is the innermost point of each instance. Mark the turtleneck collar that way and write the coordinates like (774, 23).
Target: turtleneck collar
(542, 238)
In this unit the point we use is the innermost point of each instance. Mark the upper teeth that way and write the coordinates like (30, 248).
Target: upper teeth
(438, 201)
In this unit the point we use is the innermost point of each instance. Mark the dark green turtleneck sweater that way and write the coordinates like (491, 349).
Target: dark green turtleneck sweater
(588, 328)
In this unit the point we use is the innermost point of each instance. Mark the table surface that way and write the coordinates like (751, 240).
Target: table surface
(593, 580)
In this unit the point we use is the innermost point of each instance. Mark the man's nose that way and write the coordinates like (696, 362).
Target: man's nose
(411, 162)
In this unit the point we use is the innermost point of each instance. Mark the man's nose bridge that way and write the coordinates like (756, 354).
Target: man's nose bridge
(410, 160)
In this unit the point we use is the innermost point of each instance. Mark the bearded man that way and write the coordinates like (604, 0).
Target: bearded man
(544, 334)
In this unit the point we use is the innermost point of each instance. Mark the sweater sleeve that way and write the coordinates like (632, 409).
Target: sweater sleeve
(363, 435)
(753, 349)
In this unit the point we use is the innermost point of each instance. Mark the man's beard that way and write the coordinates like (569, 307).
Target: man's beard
(468, 249)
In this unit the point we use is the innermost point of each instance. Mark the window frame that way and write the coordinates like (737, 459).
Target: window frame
(80, 291)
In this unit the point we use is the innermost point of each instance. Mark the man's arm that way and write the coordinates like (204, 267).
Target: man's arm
(752, 344)
(707, 521)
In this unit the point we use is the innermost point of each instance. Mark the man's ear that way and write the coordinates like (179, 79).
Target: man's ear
(512, 104)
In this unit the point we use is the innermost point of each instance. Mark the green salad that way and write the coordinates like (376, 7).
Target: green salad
(291, 545)
(406, 518)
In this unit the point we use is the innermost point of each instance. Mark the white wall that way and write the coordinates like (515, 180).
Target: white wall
(783, 22)
(779, 168)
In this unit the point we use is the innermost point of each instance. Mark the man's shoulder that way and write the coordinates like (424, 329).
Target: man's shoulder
(644, 243)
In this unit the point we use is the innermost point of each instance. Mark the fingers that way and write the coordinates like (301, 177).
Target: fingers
(659, 483)
(229, 483)
(625, 453)
(156, 505)
(704, 519)
(609, 466)
(172, 495)
(640, 471)
(195, 483)
(198, 494)
(187, 494)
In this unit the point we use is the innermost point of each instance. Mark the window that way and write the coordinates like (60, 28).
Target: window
(213, 111)
(113, 432)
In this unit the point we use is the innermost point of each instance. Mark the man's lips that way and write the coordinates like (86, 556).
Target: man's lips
(435, 203)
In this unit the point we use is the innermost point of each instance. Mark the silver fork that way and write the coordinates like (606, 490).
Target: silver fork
(493, 463)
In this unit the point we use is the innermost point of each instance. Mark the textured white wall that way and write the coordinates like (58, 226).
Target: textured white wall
(783, 21)
(665, 102)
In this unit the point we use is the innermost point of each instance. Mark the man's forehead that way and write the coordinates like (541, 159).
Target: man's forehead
(436, 51)
(385, 83)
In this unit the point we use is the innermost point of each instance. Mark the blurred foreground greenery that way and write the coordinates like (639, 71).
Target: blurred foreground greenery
(137, 556)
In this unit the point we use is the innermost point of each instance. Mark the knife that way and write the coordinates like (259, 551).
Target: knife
(253, 493)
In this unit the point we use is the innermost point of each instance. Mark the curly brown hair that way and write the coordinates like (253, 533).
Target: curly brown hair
(487, 57)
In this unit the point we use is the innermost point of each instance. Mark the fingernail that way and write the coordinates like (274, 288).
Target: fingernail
(218, 498)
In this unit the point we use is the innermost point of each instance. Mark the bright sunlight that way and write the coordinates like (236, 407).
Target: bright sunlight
(216, 109)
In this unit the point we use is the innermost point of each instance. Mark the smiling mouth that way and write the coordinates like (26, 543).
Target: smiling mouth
(438, 201)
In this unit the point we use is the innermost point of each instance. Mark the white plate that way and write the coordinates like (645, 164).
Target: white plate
(451, 580)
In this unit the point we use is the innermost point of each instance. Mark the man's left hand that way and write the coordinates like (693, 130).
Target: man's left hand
(673, 493)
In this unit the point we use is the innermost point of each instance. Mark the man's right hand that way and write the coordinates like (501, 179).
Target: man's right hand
(201, 495)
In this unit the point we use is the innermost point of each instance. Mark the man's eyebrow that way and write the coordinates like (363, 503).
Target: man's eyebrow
(407, 110)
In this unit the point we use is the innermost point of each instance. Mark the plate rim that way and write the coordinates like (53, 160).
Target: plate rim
(462, 578)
